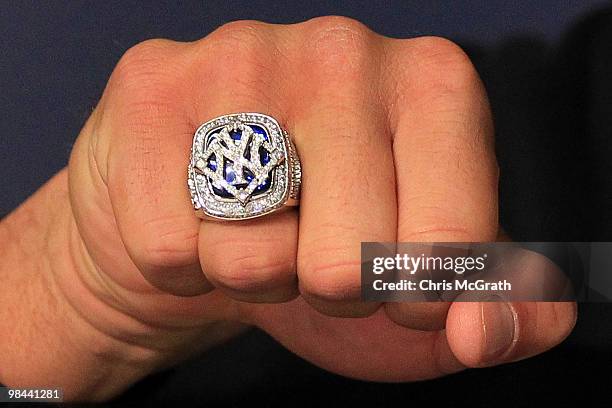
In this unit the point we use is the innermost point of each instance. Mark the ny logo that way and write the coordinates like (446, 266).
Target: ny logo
(239, 161)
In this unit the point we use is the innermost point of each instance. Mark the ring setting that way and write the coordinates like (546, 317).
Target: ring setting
(242, 166)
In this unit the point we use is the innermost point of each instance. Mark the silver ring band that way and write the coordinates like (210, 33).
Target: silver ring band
(243, 166)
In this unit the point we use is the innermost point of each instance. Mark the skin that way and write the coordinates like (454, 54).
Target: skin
(108, 275)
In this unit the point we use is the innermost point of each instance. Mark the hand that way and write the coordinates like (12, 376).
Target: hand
(396, 143)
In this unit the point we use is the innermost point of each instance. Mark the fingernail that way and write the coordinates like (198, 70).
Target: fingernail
(498, 326)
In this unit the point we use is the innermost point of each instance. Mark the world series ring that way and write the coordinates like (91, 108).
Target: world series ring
(243, 166)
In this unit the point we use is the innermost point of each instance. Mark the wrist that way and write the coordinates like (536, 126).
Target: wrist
(60, 325)
(45, 342)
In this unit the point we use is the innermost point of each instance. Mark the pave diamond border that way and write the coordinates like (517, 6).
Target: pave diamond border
(208, 204)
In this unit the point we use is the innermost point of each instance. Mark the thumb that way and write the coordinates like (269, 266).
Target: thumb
(484, 334)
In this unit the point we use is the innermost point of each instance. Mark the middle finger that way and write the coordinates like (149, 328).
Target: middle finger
(348, 187)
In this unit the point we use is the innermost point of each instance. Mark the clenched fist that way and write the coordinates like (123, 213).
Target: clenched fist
(111, 276)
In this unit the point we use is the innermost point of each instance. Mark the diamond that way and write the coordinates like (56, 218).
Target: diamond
(260, 131)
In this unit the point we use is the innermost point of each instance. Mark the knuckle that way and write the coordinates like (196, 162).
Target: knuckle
(440, 52)
(448, 67)
(337, 26)
(238, 36)
(254, 272)
(339, 43)
(435, 233)
(142, 59)
(434, 222)
(146, 49)
(433, 71)
(330, 280)
(144, 79)
(167, 242)
(241, 54)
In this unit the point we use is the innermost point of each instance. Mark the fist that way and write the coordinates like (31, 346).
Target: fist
(396, 143)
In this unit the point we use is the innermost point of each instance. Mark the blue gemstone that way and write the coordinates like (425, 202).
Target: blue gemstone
(260, 130)
(264, 156)
(221, 192)
(212, 162)
(263, 187)
(247, 153)
(230, 174)
(247, 174)
(235, 134)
